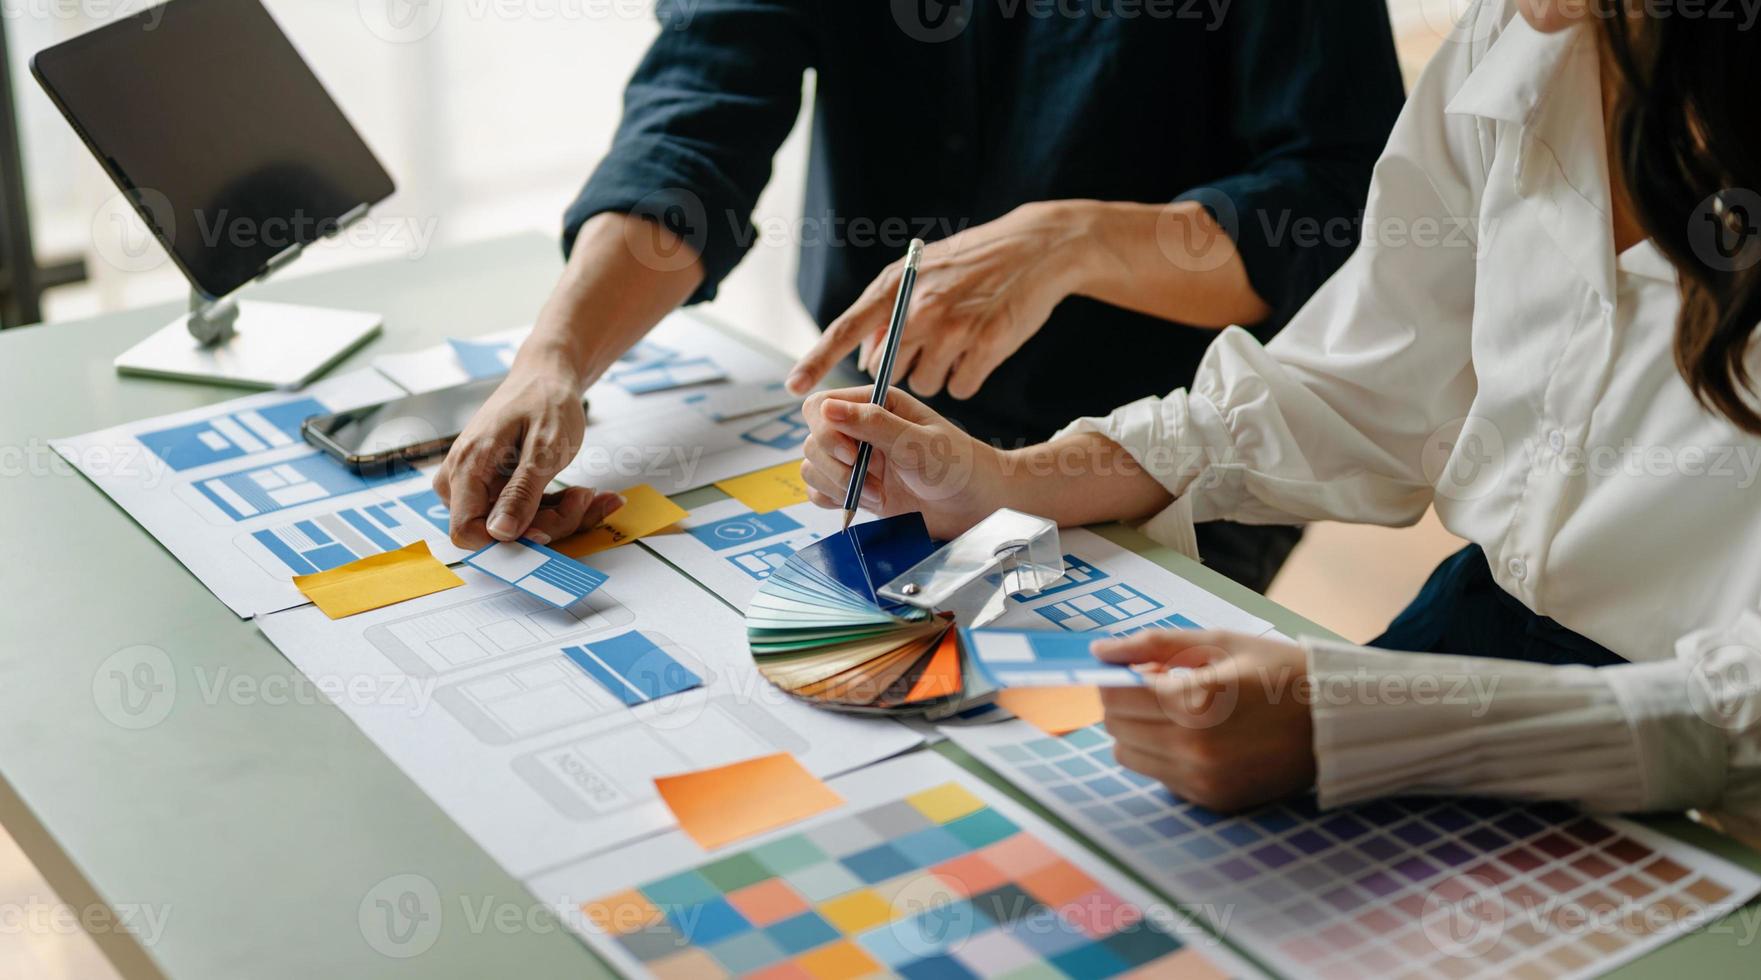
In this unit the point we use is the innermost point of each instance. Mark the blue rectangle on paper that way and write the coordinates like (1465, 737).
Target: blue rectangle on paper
(634, 668)
(481, 360)
(330, 556)
(743, 529)
(1077, 573)
(359, 522)
(182, 447)
(289, 557)
(382, 514)
(331, 478)
(427, 504)
(613, 684)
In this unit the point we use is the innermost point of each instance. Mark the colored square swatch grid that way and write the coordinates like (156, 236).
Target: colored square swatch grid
(937, 884)
(1430, 887)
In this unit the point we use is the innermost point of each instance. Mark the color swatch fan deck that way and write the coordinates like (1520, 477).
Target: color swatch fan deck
(820, 631)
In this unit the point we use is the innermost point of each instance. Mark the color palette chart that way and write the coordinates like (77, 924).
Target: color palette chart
(1414, 887)
(923, 872)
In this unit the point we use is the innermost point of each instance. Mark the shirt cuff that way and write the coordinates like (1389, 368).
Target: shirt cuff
(1171, 439)
(1387, 724)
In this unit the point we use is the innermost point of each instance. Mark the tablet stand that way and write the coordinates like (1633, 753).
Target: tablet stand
(251, 344)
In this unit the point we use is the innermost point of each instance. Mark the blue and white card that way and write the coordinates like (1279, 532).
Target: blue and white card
(1047, 658)
(538, 571)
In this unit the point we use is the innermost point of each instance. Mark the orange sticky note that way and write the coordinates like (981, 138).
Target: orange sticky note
(380, 580)
(645, 511)
(722, 805)
(767, 490)
(1054, 710)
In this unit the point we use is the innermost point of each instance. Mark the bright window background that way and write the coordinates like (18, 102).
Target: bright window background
(490, 122)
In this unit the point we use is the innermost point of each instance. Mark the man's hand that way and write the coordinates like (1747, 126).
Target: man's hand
(493, 480)
(624, 275)
(980, 295)
(1229, 731)
(921, 461)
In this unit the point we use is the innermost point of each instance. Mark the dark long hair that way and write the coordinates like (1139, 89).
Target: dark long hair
(1686, 127)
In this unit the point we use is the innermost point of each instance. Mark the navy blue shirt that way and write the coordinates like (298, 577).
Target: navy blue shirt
(1270, 112)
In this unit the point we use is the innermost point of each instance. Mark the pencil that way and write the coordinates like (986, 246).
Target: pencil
(883, 379)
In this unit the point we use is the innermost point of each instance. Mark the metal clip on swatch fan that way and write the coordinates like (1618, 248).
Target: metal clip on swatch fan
(864, 620)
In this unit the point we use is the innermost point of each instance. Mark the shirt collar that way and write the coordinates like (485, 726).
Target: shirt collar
(1548, 86)
(1515, 73)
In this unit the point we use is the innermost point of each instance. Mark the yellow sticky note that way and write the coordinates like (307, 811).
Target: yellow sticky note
(1054, 710)
(722, 805)
(645, 511)
(768, 490)
(407, 573)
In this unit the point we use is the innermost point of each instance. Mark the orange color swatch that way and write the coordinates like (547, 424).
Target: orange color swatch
(941, 679)
(1054, 710)
(729, 803)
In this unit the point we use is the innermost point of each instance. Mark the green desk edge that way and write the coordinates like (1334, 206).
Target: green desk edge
(253, 829)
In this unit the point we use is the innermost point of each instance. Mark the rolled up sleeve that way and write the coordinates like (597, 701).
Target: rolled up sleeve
(709, 105)
(1313, 90)
(1330, 420)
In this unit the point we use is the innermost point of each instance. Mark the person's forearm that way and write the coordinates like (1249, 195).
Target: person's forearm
(1171, 261)
(1079, 480)
(624, 275)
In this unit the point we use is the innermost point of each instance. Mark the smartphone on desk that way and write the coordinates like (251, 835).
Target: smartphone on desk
(373, 438)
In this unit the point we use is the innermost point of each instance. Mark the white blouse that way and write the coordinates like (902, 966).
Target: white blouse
(1486, 351)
